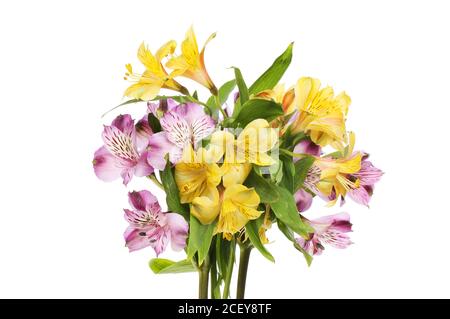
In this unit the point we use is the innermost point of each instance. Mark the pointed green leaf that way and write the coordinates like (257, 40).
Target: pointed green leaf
(154, 124)
(200, 237)
(172, 194)
(122, 104)
(166, 266)
(288, 173)
(290, 235)
(251, 229)
(243, 90)
(301, 170)
(266, 190)
(257, 109)
(224, 91)
(272, 76)
(286, 210)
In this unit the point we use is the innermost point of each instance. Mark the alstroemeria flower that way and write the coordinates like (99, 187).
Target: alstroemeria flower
(251, 145)
(191, 62)
(197, 173)
(148, 84)
(337, 175)
(121, 156)
(185, 125)
(368, 175)
(329, 230)
(149, 226)
(235, 206)
(320, 114)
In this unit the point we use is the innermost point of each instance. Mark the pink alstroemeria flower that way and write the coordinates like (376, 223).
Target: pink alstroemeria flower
(149, 226)
(368, 176)
(124, 153)
(329, 230)
(302, 197)
(183, 125)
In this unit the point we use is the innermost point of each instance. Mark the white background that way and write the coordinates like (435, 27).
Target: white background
(61, 67)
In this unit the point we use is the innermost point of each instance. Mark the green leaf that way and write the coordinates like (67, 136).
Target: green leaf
(154, 123)
(276, 171)
(251, 229)
(224, 91)
(288, 173)
(122, 104)
(243, 91)
(266, 190)
(258, 109)
(301, 170)
(286, 210)
(200, 237)
(172, 194)
(307, 256)
(166, 266)
(270, 78)
(290, 235)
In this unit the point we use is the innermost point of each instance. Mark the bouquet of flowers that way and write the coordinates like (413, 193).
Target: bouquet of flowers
(231, 165)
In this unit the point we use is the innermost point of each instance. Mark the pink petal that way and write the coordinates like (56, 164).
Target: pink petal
(135, 239)
(127, 175)
(120, 144)
(140, 200)
(142, 167)
(106, 166)
(307, 147)
(369, 174)
(178, 230)
(159, 146)
(360, 195)
(124, 123)
(190, 112)
(143, 133)
(303, 200)
(159, 239)
(201, 128)
(177, 129)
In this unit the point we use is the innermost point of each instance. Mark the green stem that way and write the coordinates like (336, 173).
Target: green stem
(226, 288)
(203, 274)
(242, 273)
(219, 106)
(153, 178)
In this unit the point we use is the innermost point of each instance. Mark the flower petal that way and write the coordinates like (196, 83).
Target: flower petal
(143, 199)
(178, 230)
(106, 166)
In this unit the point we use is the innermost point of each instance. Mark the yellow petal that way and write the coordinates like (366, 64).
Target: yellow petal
(165, 50)
(242, 196)
(235, 173)
(206, 207)
(147, 59)
(305, 91)
(143, 91)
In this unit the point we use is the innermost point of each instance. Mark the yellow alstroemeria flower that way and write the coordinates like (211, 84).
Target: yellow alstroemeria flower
(321, 114)
(334, 172)
(251, 145)
(197, 173)
(148, 84)
(191, 62)
(281, 96)
(235, 206)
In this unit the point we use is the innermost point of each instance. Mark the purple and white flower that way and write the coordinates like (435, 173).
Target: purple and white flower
(186, 124)
(149, 226)
(368, 176)
(329, 230)
(124, 153)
